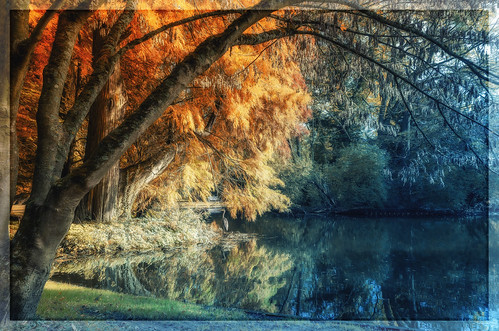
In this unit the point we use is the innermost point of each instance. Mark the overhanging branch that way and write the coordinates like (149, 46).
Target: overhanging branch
(480, 72)
(395, 74)
(153, 33)
(83, 178)
(260, 38)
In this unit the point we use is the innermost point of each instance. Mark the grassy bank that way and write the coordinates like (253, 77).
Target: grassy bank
(68, 302)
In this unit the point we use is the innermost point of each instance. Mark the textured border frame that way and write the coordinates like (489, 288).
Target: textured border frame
(493, 286)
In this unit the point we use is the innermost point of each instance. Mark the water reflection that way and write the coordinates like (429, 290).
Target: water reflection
(377, 269)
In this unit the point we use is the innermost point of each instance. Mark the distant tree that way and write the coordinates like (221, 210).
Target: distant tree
(357, 178)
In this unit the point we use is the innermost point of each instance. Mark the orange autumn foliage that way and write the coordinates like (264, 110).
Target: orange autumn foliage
(256, 93)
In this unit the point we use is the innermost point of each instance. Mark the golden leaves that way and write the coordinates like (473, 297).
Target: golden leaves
(256, 94)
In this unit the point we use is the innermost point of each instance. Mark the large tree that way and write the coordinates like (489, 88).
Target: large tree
(245, 114)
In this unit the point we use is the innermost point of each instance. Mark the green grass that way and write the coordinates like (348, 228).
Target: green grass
(69, 302)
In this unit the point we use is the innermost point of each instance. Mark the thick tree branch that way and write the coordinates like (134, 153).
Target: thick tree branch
(270, 5)
(47, 117)
(135, 177)
(22, 48)
(149, 162)
(119, 28)
(168, 26)
(28, 46)
(103, 69)
(119, 140)
(260, 38)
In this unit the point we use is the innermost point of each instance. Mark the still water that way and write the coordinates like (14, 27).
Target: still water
(319, 268)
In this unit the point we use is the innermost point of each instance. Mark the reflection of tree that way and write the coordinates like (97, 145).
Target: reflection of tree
(430, 270)
(256, 274)
(382, 269)
(442, 274)
(185, 274)
(118, 274)
(338, 265)
(248, 277)
(349, 269)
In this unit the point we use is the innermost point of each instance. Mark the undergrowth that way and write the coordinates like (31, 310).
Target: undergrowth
(157, 230)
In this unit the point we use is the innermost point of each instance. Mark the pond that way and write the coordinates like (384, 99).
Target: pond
(325, 268)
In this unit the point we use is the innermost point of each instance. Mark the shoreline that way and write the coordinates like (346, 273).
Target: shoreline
(391, 212)
(162, 231)
(62, 301)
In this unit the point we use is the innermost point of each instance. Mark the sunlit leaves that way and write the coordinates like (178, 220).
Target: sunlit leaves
(252, 100)
(256, 193)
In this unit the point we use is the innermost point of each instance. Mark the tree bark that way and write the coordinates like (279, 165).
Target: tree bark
(19, 67)
(42, 227)
(47, 116)
(33, 250)
(133, 179)
(105, 114)
(22, 46)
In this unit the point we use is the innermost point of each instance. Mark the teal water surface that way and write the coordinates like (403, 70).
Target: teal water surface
(324, 268)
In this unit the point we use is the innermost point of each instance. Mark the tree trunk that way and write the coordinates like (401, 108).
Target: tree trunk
(33, 251)
(133, 179)
(105, 114)
(19, 67)
(48, 214)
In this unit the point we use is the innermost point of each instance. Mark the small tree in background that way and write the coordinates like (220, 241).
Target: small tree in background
(357, 178)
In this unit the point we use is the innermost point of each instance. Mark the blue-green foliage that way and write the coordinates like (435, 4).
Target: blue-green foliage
(357, 177)
(461, 188)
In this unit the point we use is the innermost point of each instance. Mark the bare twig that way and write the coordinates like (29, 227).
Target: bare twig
(256, 58)
(412, 115)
